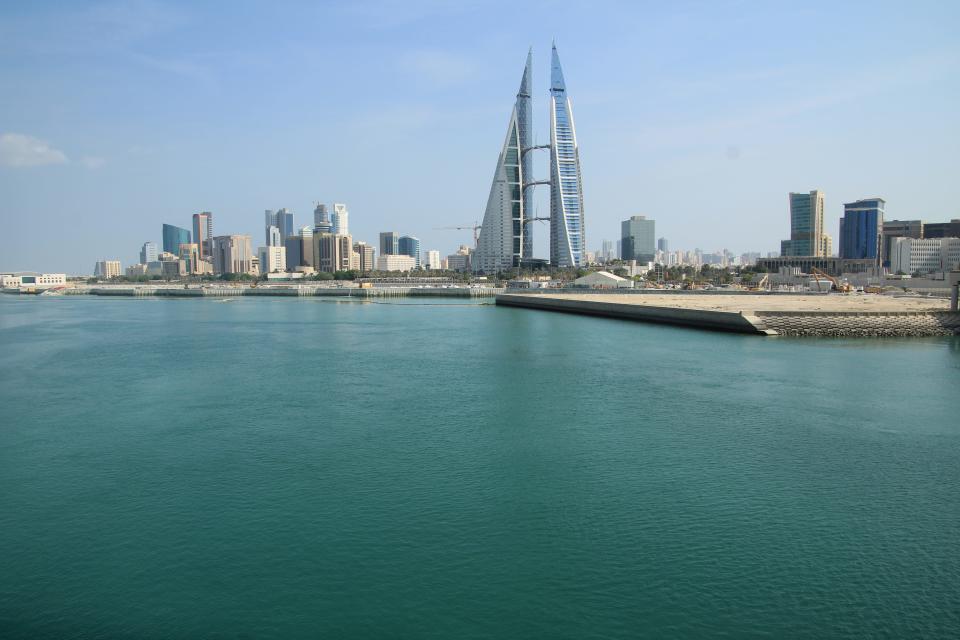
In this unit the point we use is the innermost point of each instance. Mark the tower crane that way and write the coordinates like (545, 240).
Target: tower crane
(475, 228)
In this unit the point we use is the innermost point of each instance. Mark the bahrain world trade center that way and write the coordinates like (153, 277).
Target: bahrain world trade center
(506, 235)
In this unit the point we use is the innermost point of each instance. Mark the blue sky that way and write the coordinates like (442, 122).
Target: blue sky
(118, 116)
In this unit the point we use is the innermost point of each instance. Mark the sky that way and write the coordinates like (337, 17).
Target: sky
(116, 117)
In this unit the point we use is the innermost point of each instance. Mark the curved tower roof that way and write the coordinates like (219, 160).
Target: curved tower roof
(567, 240)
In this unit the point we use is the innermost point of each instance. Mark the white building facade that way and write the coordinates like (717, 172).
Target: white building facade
(396, 262)
(910, 255)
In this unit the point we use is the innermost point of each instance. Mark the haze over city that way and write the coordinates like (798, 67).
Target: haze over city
(120, 116)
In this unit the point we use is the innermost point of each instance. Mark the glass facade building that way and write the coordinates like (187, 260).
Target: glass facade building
(567, 233)
(409, 246)
(638, 239)
(504, 237)
(861, 228)
(806, 226)
(148, 252)
(173, 237)
(389, 242)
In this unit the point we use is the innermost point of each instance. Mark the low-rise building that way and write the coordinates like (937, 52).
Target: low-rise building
(603, 280)
(924, 255)
(396, 262)
(30, 278)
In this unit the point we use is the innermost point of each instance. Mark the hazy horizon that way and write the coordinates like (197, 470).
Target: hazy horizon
(119, 117)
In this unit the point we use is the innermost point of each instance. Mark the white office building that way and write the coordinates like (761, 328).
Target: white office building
(396, 262)
(910, 255)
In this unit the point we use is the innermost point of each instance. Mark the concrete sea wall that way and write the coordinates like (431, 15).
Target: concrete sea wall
(770, 323)
(715, 320)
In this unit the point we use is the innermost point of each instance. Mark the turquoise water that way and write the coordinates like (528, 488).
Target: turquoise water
(272, 468)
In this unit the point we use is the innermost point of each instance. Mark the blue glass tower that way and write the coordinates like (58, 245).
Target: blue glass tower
(567, 240)
(409, 246)
(173, 237)
(860, 229)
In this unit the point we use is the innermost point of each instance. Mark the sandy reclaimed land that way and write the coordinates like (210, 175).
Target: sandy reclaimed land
(752, 302)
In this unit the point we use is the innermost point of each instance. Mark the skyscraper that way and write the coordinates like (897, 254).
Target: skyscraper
(274, 239)
(148, 252)
(284, 223)
(860, 229)
(637, 239)
(410, 246)
(504, 237)
(567, 234)
(806, 226)
(269, 221)
(341, 217)
(388, 243)
(173, 237)
(203, 231)
(294, 253)
(663, 245)
(321, 219)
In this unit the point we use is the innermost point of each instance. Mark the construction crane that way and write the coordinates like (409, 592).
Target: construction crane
(475, 228)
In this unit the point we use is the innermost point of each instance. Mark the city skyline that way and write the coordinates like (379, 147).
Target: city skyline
(104, 136)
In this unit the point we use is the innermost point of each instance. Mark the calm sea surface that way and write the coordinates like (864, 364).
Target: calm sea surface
(272, 468)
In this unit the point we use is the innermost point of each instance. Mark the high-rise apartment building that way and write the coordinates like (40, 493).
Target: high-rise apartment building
(504, 238)
(409, 246)
(341, 219)
(807, 237)
(173, 237)
(389, 241)
(148, 252)
(232, 254)
(638, 239)
(203, 231)
(567, 233)
(366, 255)
(860, 229)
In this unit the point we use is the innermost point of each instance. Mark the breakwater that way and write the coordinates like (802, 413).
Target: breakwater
(820, 315)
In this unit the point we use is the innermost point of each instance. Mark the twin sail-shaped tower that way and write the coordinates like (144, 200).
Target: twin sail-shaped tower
(506, 235)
